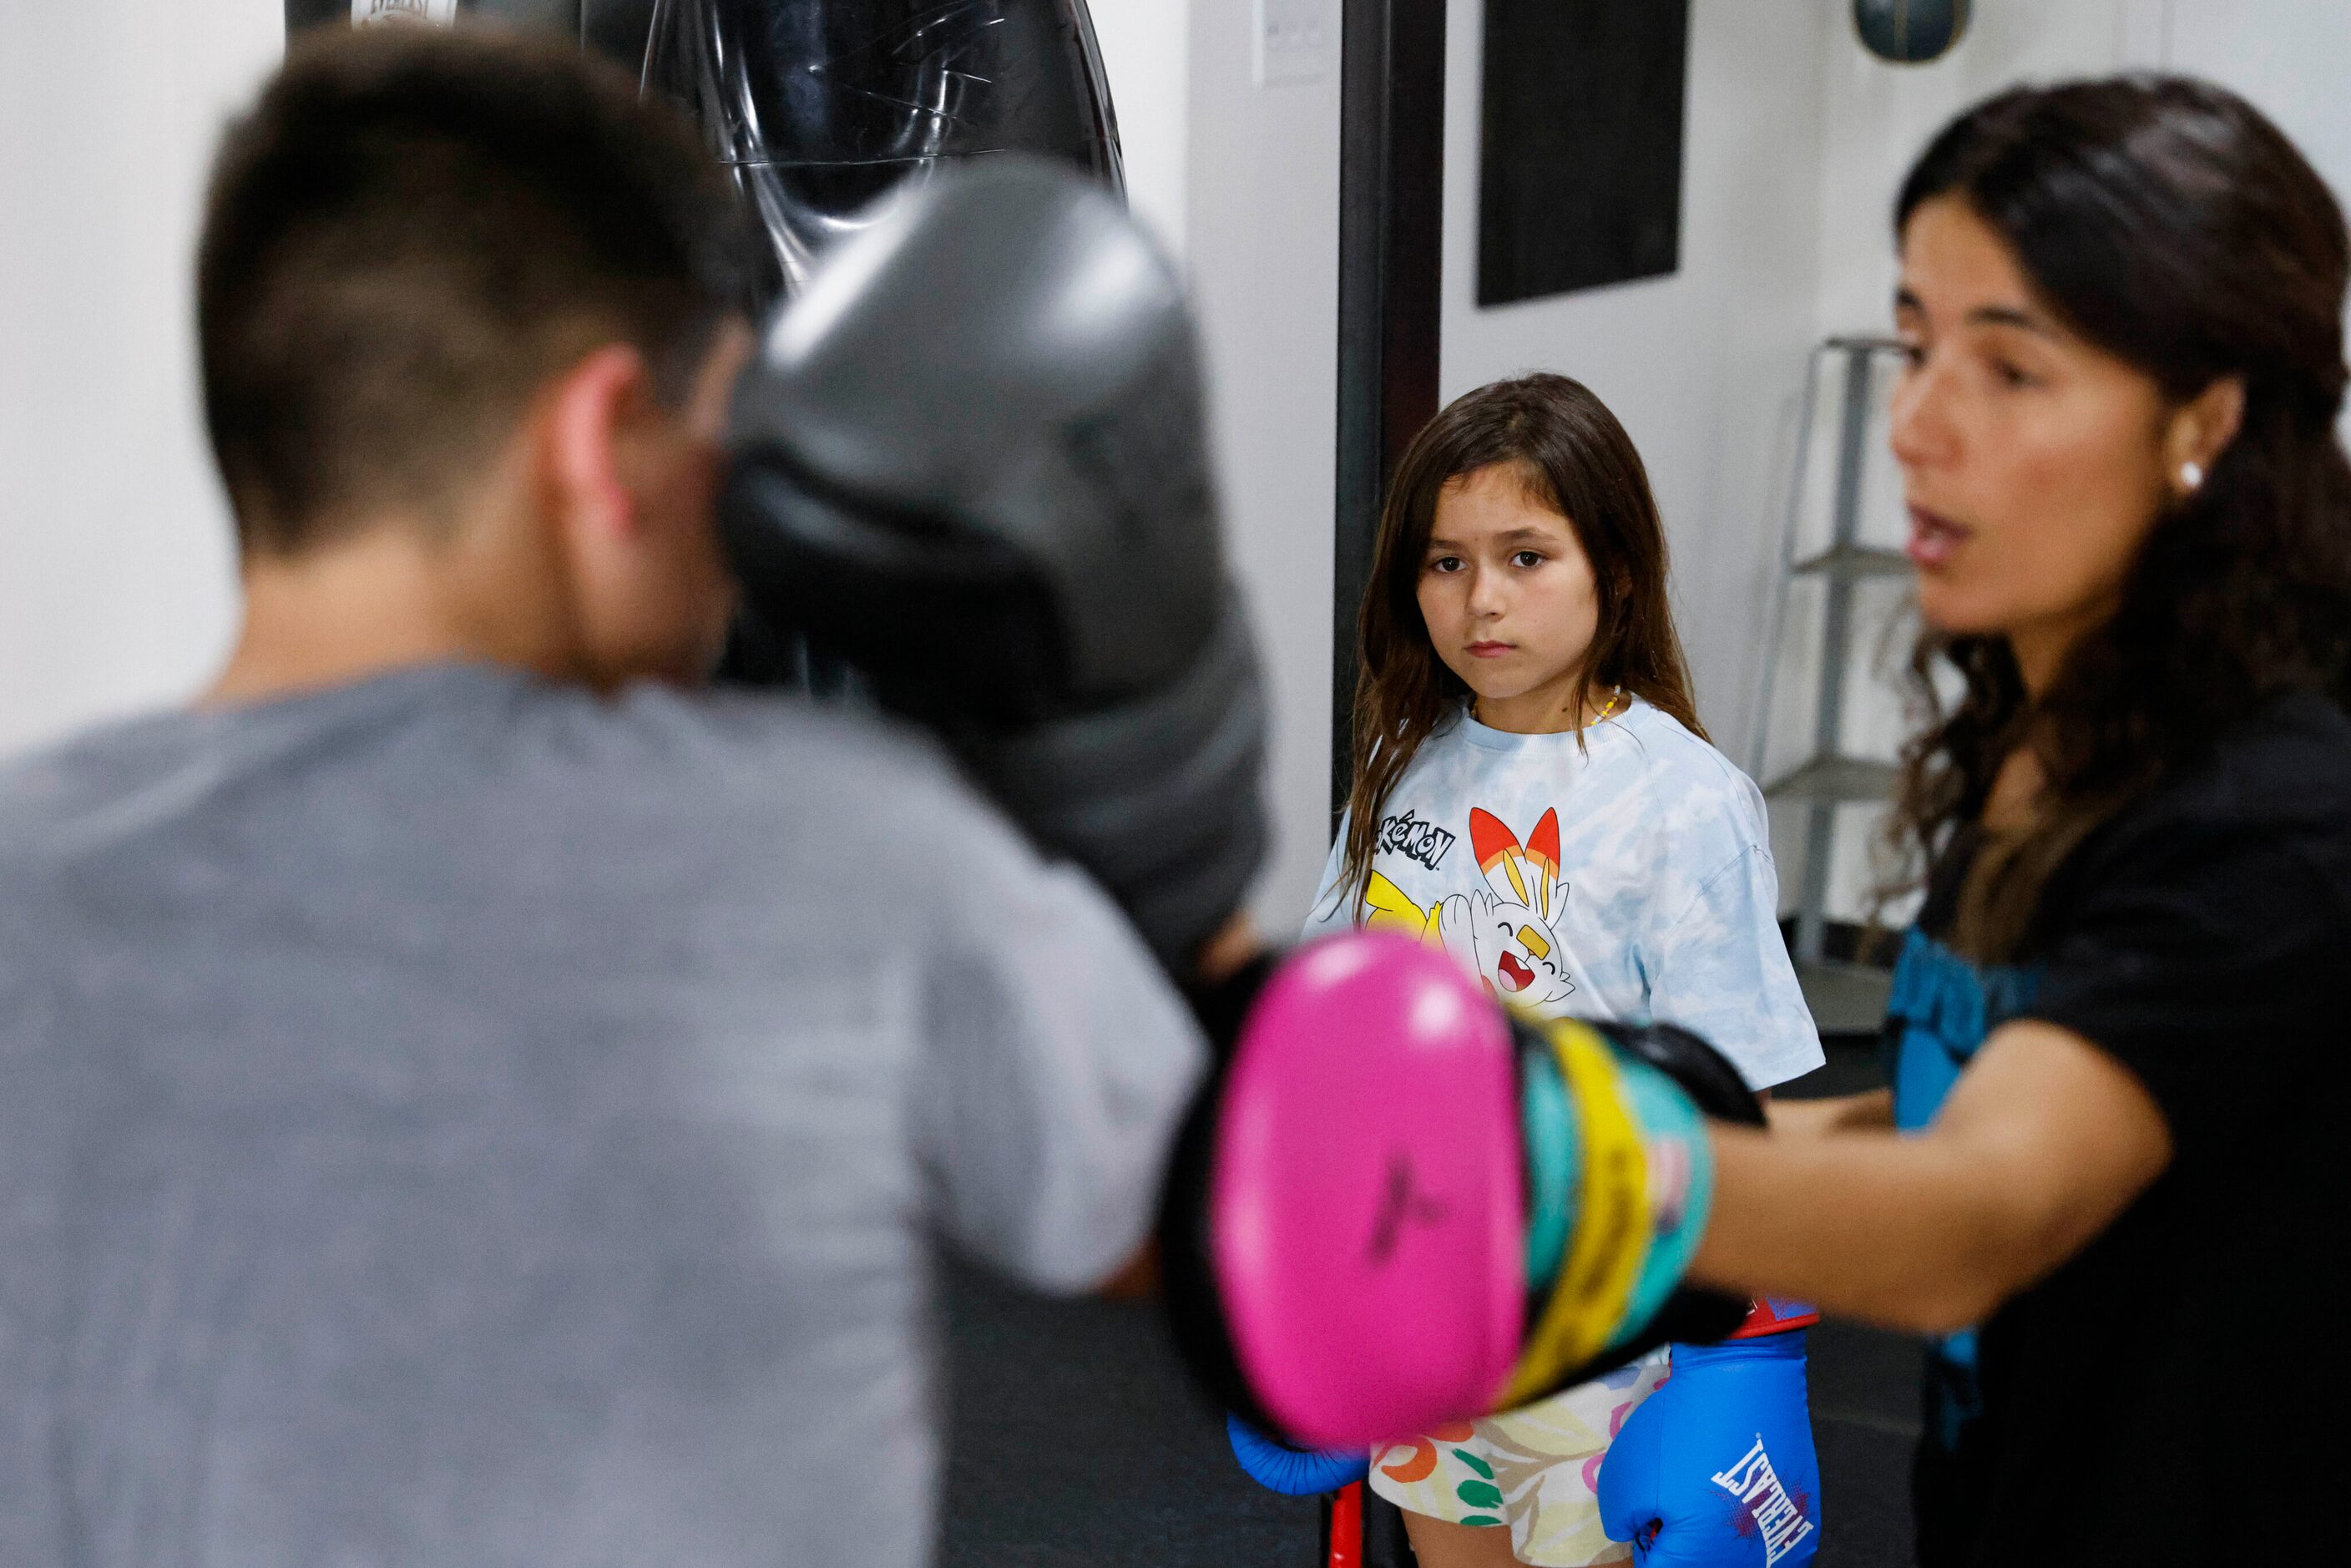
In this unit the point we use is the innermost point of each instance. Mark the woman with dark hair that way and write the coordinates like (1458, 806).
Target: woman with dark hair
(2117, 1023)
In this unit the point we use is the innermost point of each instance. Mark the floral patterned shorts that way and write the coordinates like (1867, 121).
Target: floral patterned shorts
(1533, 1470)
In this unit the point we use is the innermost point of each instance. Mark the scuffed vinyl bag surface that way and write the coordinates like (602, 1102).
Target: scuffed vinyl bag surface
(820, 107)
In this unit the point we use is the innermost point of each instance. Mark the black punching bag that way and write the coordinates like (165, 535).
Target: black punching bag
(820, 106)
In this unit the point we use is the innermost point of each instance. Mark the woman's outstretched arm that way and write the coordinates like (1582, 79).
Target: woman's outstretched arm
(1869, 1112)
(2043, 1142)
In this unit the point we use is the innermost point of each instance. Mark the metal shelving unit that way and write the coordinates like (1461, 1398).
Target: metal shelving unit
(1844, 996)
(1852, 563)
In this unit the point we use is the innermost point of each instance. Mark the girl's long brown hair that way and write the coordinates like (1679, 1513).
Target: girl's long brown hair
(1574, 458)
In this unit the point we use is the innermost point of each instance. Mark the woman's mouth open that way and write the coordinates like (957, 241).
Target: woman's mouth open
(1934, 539)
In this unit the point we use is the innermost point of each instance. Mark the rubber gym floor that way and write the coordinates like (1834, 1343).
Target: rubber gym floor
(1075, 1441)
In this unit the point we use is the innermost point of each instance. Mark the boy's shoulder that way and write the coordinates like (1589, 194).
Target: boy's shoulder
(759, 740)
(470, 739)
(56, 792)
(773, 770)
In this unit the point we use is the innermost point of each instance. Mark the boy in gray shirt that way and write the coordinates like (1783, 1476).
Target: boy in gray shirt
(470, 1100)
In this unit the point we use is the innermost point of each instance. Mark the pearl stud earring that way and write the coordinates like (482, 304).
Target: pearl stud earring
(2191, 475)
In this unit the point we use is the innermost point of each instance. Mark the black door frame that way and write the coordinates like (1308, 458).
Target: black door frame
(1390, 252)
(1391, 307)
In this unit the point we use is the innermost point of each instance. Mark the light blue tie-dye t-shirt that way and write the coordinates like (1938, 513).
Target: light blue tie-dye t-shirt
(1630, 878)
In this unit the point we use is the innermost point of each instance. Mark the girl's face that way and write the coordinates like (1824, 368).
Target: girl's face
(1508, 597)
(2034, 462)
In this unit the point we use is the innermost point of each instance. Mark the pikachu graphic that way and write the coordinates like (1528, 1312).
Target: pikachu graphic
(1501, 933)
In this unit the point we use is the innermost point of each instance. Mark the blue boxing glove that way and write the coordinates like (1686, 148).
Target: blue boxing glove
(1717, 1468)
(1293, 1472)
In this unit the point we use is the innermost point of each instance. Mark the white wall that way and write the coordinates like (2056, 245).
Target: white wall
(2287, 55)
(1700, 366)
(1263, 251)
(115, 578)
(2290, 58)
(1877, 118)
(1146, 47)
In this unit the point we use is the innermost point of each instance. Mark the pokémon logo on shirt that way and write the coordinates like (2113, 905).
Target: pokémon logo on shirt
(1777, 1517)
(1414, 839)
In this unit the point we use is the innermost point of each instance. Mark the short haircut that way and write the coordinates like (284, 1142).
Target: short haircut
(413, 229)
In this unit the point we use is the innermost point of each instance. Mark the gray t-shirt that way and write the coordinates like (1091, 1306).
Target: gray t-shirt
(456, 1120)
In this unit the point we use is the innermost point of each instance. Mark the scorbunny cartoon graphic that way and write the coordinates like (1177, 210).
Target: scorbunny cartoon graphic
(1502, 933)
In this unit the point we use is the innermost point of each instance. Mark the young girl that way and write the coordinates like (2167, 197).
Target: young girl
(1533, 793)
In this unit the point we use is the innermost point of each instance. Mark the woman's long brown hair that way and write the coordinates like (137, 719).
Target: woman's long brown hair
(1574, 458)
(2169, 224)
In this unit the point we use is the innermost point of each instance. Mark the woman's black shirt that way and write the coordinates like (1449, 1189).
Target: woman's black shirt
(2177, 1391)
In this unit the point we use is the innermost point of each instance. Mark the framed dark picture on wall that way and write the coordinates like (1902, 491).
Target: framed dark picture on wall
(1580, 163)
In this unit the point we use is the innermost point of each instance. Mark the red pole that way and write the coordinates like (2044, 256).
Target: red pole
(1347, 1527)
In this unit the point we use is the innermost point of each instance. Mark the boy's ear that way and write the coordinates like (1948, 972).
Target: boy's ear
(590, 415)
